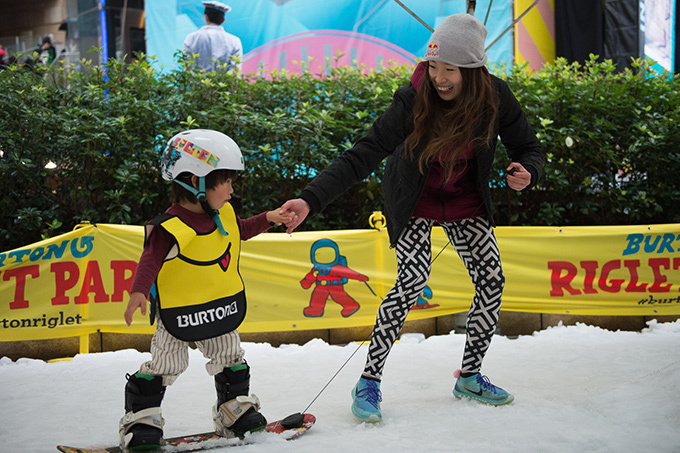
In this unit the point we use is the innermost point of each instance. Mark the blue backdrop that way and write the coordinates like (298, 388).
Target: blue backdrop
(261, 22)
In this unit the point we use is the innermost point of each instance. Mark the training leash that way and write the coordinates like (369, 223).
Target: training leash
(365, 339)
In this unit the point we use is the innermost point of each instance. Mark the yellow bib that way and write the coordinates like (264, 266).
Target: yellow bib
(199, 290)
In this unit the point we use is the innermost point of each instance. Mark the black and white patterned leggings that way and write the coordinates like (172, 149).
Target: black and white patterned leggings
(476, 245)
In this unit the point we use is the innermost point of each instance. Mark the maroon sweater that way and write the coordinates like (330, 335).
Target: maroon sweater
(160, 242)
(452, 199)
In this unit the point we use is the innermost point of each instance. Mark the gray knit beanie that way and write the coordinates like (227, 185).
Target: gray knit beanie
(459, 41)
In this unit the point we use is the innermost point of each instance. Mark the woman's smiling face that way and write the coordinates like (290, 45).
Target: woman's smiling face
(446, 78)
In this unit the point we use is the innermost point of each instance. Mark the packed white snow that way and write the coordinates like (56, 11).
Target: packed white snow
(577, 389)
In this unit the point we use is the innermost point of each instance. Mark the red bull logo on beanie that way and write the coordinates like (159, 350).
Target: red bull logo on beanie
(196, 151)
(432, 50)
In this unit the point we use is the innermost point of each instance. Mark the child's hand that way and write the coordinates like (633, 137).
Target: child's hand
(137, 300)
(278, 217)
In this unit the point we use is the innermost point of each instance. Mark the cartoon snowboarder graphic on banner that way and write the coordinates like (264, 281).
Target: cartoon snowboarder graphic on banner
(329, 275)
(422, 302)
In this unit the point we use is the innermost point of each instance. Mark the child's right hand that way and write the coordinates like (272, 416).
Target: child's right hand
(137, 300)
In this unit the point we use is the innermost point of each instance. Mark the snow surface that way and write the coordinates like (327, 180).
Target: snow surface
(577, 389)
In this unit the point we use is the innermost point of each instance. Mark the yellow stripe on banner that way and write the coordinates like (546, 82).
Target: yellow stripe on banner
(78, 283)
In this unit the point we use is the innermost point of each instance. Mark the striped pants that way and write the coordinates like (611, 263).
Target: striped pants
(476, 245)
(170, 356)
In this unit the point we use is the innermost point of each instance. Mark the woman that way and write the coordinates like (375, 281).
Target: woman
(439, 136)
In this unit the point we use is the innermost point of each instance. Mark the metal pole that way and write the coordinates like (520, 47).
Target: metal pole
(512, 24)
(122, 28)
(487, 13)
(414, 15)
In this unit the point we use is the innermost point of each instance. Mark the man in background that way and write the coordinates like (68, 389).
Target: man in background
(211, 48)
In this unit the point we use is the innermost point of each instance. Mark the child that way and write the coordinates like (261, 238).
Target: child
(189, 268)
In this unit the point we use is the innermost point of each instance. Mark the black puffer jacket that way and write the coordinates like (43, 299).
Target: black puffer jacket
(403, 183)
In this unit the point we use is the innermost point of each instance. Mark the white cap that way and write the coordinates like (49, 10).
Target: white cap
(217, 6)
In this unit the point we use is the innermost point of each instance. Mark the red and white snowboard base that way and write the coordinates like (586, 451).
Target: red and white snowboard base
(208, 441)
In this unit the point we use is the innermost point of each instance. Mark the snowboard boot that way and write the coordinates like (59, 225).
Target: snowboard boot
(236, 413)
(142, 426)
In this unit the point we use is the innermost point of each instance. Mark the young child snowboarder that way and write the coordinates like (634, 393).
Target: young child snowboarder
(189, 271)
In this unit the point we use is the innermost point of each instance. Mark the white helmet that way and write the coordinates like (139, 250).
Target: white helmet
(200, 151)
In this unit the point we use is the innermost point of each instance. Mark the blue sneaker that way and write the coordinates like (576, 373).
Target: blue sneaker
(367, 398)
(479, 387)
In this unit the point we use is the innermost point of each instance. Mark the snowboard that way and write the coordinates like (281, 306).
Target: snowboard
(289, 428)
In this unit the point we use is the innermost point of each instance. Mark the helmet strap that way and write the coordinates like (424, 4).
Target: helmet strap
(200, 196)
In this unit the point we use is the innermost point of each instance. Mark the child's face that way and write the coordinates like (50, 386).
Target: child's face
(219, 195)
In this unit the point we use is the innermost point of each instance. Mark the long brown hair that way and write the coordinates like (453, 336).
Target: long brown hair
(450, 126)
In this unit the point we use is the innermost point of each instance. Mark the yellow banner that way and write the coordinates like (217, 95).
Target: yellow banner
(78, 283)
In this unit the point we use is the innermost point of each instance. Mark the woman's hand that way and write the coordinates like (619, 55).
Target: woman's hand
(517, 176)
(299, 210)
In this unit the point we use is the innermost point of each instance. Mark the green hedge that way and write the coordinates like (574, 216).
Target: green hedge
(611, 142)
